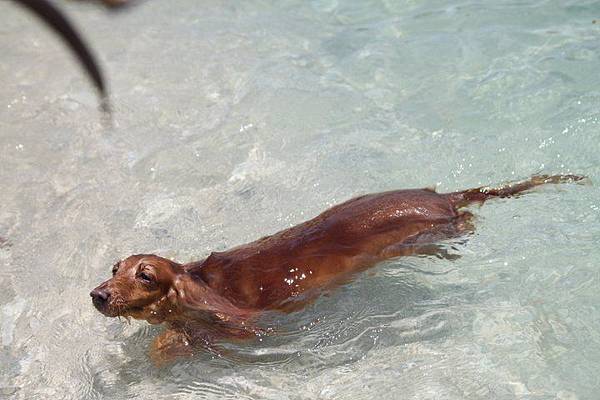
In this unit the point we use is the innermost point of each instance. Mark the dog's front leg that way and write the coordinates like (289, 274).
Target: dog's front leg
(173, 344)
(170, 345)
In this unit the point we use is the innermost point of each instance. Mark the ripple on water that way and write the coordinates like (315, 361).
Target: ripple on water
(347, 325)
(208, 390)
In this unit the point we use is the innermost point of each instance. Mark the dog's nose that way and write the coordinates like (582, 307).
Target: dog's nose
(99, 296)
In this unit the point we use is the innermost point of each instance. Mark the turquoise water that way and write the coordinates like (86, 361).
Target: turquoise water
(232, 121)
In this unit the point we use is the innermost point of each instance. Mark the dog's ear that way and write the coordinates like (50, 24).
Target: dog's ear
(195, 296)
(189, 295)
(173, 294)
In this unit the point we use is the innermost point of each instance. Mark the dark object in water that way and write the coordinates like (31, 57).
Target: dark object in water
(54, 18)
(4, 243)
(117, 4)
(222, 296)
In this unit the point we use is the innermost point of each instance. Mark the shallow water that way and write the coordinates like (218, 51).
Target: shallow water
(232, 121)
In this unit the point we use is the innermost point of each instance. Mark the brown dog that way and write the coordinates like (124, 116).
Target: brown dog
(221, 296)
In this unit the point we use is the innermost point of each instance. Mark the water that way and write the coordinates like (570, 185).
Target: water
(232, 121)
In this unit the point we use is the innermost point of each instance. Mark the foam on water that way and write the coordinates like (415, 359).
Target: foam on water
(232, 121)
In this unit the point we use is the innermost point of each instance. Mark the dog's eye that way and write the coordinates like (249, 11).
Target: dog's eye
(146, 277)
(115, 268)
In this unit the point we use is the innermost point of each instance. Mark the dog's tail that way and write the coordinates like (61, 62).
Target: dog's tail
(481, 194)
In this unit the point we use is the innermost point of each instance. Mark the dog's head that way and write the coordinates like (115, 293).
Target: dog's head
(142, 287)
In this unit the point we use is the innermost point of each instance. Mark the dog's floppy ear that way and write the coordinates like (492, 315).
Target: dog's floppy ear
(194, 296)
(173, 294)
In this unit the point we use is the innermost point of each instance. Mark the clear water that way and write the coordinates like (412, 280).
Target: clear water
(234, 120)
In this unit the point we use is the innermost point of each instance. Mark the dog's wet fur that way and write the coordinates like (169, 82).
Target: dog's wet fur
(222, 296)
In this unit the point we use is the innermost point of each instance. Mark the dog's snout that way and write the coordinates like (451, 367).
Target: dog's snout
(100, 296)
